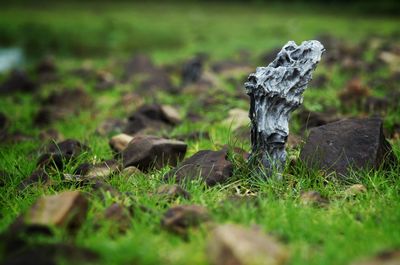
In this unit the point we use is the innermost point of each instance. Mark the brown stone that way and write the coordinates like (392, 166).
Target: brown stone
(235, 245)
(180, 218)
(211, 166)
(144, 152)
(67, 209)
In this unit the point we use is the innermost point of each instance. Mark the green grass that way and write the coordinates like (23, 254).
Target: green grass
(349, 228)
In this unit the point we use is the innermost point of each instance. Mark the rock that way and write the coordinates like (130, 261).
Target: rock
(50, 135)
(237, 118)
(50, 254)
(144, 152)
(352, 143)
(313, 198)
(388, 257)
(101, 189)
(172, 192)
(129, 171)
(38, 176)
(60, 104)
(119, 142)
(119, 216)
(180, 218)
(355, 190)
(47, 70)
(101, 171)
(67, 209)
(17, 81)
(152, 116)
(56, 153)
(211, 166)
(192, 70)
(235, 245)
(109, 126)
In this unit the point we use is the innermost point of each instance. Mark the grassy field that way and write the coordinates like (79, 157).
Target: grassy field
(105, 35)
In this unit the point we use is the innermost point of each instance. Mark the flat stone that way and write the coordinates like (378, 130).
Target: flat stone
(231, 244)
(67, 209)
(119, 142)
(211, 166)
(98, 171)
(129, 171)
(348, 144)
(145, 152)
(180, 218)
(172, 192)
(313, 198)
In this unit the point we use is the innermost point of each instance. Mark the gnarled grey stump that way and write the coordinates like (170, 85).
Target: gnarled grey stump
(275, 91)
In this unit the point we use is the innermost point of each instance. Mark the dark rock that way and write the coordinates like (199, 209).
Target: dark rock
(211, 166)
(38, 176)
(192, 70)
(152, 117)
(172, 192)
(180, 218)
(144, 152)
(47, 70)
(50, 254)
(56, 153)
(17, 81)
(158, 81)
(59, 105)
(352, 143)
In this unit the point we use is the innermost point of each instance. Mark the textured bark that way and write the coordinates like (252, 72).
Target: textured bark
(275, 91)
